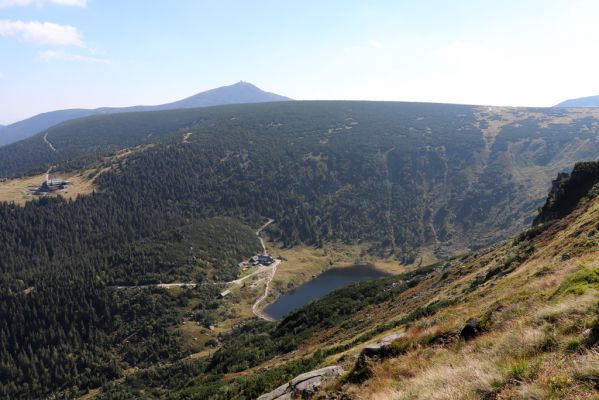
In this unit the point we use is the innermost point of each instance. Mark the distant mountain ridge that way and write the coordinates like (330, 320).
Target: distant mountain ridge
(591, 101)
(238, 93)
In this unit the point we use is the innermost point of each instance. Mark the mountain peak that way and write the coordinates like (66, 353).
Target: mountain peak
(244, 83)
(591, 101)
(237, 93)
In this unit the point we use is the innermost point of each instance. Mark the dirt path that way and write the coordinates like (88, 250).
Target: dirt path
(240, 280)
(161, 285)
(273, 270)
(257, 312)
(48, 142)
(270, 221)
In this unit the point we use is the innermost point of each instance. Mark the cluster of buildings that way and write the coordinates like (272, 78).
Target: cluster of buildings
(265, 260)
(256, 260)
(52, 185)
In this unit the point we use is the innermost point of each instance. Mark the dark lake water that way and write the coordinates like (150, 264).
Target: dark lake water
(324, 283)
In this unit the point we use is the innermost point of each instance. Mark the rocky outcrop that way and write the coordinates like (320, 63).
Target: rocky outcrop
(362, 369)
(304, 386)
(382, 346)
(471, 329)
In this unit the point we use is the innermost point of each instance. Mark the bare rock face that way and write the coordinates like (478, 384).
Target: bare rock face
(304, 386)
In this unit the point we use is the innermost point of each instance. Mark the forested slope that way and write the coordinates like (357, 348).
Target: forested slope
(400, 175)
(530, 303)
(69, 326)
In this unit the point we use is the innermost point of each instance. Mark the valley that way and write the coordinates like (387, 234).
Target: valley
(403, 204)
(165, 206)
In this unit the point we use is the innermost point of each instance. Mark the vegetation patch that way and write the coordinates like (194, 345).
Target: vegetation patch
(580, 281)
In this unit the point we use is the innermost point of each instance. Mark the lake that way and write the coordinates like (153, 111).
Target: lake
(323, 284)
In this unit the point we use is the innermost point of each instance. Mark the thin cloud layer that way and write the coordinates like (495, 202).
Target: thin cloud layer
(43, 33)
(61, 55)
(39, 3)
(372, 44)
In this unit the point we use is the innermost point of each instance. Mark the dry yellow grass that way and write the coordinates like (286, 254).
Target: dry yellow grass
(19, 190)
(524, 355)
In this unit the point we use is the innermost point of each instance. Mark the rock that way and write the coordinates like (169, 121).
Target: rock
(381, 346)
(304, 386)
(276, 394)
(592, 337)
(471, 329)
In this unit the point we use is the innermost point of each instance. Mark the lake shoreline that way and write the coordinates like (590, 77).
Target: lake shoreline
(320, 286)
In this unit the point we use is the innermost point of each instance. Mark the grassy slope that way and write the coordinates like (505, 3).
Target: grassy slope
(538, 318)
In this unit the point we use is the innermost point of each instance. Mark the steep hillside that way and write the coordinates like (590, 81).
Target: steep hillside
(402, 176)
(591, 101)
(517, 321)
(241, 92)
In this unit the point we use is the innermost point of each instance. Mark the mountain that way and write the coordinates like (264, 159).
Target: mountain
(403, 177)
(241, 92)
(592, 101)
(135, 286)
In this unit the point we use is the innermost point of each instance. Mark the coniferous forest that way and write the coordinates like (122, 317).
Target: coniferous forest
(397, 176)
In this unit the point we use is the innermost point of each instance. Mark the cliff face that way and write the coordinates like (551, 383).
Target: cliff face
(568, 190)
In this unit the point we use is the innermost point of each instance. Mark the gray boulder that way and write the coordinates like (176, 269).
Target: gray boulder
(381, 346)
(305, 385)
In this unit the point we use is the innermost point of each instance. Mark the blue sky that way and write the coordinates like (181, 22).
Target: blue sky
(57, 54)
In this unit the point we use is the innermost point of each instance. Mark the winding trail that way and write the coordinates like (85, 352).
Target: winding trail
(240, 280)
(258, 312)
(270, 221)
(48, 142)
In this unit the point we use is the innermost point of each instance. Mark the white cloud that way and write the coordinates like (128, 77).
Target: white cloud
(375, 43)
(61, 55)
(39, 3)
(74, 3)
(41, 32)
(11, 3)
(370, 45)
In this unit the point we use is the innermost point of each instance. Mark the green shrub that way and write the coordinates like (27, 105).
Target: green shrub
(573, 346)
(580, 281)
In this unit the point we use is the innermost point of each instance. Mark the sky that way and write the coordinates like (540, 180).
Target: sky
(57, 54)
